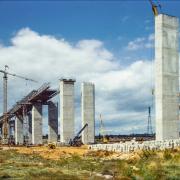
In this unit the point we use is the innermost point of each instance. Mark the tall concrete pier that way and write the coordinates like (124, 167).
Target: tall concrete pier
(166, 77)
(88, 112)
(19, 130)
(30, 127)
(52, 122)
(1, 130)
(66, 110)
(37, 124)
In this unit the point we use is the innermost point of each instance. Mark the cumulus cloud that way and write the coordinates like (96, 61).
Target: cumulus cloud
(122, 92)
(141, 43)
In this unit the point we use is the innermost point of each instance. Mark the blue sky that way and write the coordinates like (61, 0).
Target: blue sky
(117, 33)
(115, 23)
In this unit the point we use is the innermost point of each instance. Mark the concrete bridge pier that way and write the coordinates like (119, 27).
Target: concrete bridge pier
(166, 77)
(66, 110)
(88, 112)
(52, 122)
(30, 127)
(19, 139)
(37, 124)
(1, 130)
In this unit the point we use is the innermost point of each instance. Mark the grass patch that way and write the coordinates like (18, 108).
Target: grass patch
(167, 154)
(151, 165)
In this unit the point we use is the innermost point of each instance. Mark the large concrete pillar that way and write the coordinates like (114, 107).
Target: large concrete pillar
(52, 122)
(166, 77)
(19, 137)
(66, 110)
(37, 124)
(1, 130)
(11, 128)
(88, 112)
(30, 127)
(5, 140)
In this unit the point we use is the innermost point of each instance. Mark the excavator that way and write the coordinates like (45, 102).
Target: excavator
(76, 140)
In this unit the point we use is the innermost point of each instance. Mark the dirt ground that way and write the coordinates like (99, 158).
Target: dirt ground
(65, 152)
(81, 163)
(53, 154)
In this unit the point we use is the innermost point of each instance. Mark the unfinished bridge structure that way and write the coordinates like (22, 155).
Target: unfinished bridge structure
(25, 117)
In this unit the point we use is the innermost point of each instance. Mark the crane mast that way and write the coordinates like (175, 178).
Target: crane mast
(4, 93)
(5, 100)
(102, 131)
(5, 121)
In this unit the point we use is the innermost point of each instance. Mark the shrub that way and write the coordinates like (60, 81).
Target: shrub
(167, 154)
(128, 172)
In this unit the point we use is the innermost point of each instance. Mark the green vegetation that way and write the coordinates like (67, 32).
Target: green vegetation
(148, 165)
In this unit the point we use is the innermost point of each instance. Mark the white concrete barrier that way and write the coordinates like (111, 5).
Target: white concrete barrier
(133, 145)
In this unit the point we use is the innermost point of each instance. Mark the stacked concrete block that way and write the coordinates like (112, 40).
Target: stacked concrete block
(130, 146)
(19, 138)
(66, 110)
(166, 77)
(37, 124)
(52, 122)
(88, 112)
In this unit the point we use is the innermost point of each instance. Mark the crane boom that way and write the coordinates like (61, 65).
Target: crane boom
(74, 142)
(15, 75)
(154, 8)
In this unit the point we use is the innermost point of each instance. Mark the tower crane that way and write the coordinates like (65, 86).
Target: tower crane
(155, 8)
(5, 79)
(149, 126)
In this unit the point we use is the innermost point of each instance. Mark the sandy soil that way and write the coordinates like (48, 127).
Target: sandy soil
(65, 152)
(54, 154)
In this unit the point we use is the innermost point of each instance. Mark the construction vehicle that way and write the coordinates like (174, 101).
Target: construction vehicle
(155, 8)
(76, 140)
(104, 138)
(5, 120)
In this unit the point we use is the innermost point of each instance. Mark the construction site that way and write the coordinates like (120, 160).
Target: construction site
(25, 152)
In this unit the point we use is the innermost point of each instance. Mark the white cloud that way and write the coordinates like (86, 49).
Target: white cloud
(122, 93)
(141, 43)
(151, 37)
(124, 19)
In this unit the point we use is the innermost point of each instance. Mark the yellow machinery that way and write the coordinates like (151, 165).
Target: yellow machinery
(155, 8)
(102, 131)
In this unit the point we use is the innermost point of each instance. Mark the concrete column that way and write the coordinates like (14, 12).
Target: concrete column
(52, 122)
(30, 128)
(11, 128)
(166, 77)
(19, 137)
(1, 130)
(5, 141)
(66, 110)
(88, 112)
(37, 124)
